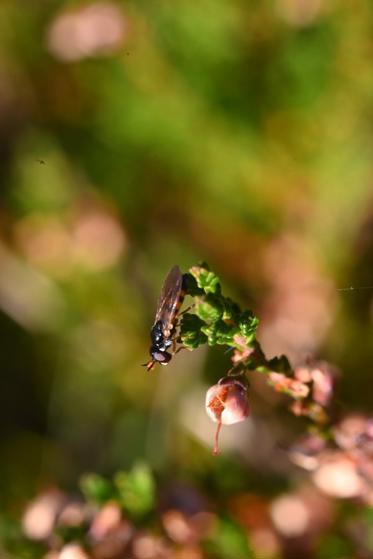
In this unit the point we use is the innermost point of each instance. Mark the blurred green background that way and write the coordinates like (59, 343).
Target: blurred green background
(135, 135)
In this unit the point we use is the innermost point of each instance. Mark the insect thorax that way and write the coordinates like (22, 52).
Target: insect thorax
(159, 341)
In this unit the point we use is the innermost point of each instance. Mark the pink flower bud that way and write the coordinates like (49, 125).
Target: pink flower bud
(226, 403)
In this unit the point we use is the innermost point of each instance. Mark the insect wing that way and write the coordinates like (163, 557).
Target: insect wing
(168, 301)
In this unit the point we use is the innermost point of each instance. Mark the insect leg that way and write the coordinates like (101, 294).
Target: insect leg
(187, 309)
(174, 345)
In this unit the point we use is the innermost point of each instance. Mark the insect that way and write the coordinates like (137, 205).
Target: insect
(163, 330)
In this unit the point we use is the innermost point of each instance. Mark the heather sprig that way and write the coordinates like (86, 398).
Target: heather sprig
(216, 320)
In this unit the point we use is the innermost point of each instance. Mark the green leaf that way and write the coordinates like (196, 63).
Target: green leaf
(192, 288)
(228, 541)
(206, 280)
(248, 324)
(231, 309)
(220, 333)
(136, 490)
(14, 541)
(209, 310)
(70, 533)
(96, 488)
(333, 546)
(191, 334)
(368, 515)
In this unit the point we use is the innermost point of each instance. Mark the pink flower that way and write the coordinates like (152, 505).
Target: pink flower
(226, 403)
(323, 384)
(293, 387)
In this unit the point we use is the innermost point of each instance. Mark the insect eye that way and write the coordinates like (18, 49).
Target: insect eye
(166, 358)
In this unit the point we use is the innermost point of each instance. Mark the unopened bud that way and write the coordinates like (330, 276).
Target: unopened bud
(226, 403)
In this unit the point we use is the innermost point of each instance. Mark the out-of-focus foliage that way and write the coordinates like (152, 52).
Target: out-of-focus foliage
(184, 525)
(138, 135)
